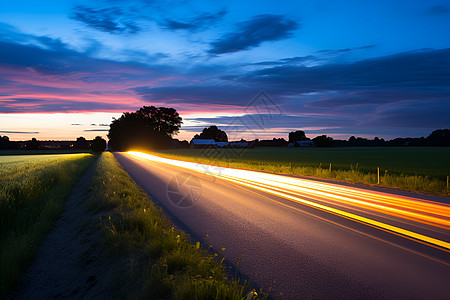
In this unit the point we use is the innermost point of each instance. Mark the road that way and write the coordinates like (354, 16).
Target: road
(301, 238)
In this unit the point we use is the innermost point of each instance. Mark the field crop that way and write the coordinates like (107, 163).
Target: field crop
(32, 190)
(422, 169)
(162, 262)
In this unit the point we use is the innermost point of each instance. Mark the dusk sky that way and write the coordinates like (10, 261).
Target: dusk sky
(256, 69)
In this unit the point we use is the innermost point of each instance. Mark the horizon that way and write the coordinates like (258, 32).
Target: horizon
(233, 140)
(258, 71)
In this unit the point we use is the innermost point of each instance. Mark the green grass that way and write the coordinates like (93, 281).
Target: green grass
(26, 158)
(161, 261)
(32, 190)
(421, 169)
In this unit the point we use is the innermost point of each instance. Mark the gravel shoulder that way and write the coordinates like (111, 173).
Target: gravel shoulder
(72, 261)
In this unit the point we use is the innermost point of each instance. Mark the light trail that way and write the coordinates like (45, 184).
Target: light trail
(302, 190)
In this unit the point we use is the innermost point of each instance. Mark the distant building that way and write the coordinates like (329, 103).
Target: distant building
(304, 143)
(203, 143)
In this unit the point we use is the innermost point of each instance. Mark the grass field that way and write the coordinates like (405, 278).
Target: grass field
(422, 169)
(41, 152)
(162, 262)
(32, 190)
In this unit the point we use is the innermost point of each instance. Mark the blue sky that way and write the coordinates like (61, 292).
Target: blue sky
(342, 68)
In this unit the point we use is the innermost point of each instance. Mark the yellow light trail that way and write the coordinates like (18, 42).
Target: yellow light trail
(422, 211)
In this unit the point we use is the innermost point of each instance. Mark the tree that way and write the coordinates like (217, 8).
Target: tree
(323, 141)
(34, 144)
(212, 132)
(81, 143)
(148, 127)
(98, 144)
(4, 142)
(352, 140)
(298, 135)
(439, 137)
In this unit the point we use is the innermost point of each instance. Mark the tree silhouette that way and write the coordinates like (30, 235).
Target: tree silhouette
(34, 144)
(298, 135)
(98, 144)
(212, 132)
(323, 141)
(81, 143)
(4, 142)
(439, 137)
(149, 127)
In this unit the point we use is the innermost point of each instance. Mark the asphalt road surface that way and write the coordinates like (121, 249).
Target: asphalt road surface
(300, 238)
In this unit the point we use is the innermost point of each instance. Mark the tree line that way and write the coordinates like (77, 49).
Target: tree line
(98, 144)
(439, 137)
(152, 128)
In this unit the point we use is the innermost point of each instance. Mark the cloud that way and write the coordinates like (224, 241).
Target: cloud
(111, 20)
(201, 21)
(250, 34)
(21, 132)
(418, 114)
(24, 100)
(51, 77)
(55, 105)
(96, 130)
(226, 95)
(51, 56)
(10, 34)
(345, 50)
(51, 62)
(405, 76)
(290, 61)
(250, 121)
(438, 10)
(352, 90)
(321, 57)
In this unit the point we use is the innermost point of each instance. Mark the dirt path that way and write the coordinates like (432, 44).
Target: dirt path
(71, 262)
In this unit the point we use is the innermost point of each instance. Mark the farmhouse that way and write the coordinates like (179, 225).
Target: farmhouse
(203, 143)
(304, 143)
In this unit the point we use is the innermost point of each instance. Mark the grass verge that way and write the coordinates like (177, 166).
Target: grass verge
(413, 169)
(161, 261)
(32, 193)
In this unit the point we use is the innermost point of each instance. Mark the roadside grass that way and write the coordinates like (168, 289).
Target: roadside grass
(161, 261)
(32, 192)
(420, 169)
